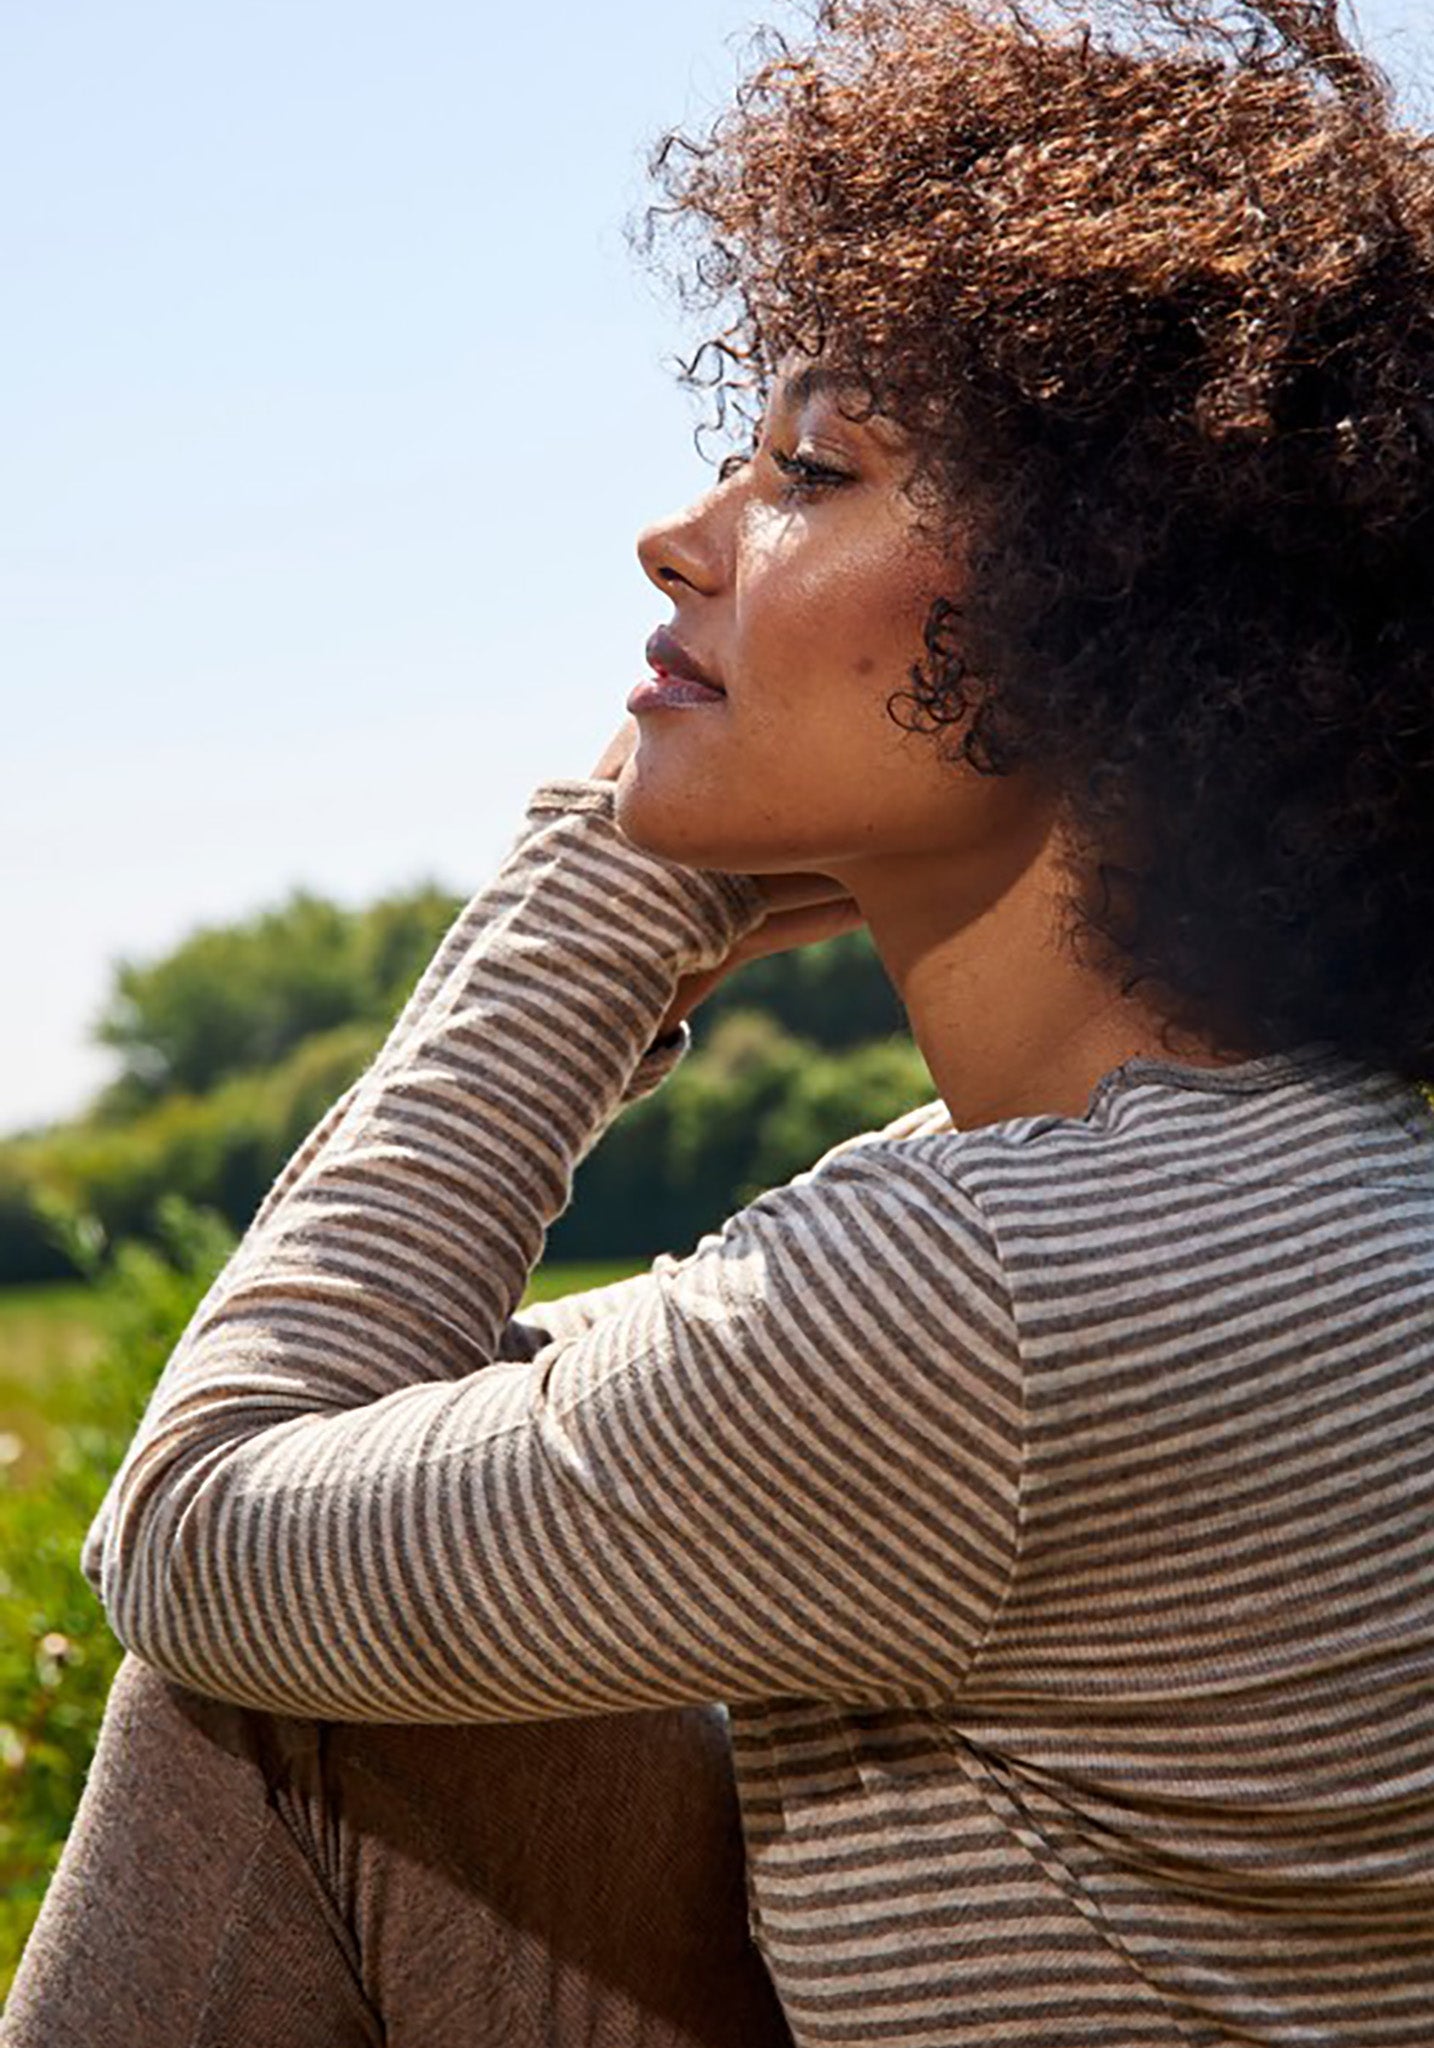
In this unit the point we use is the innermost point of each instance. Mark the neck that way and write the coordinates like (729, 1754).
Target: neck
(1010, 1020)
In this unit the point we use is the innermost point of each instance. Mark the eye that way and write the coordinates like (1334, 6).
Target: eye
(804, 478)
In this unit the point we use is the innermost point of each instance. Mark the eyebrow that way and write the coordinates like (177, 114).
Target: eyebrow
(816, 379)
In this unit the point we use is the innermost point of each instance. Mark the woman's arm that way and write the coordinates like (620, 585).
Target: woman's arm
(328, 1510)
(569, 1315)
(420, 1010)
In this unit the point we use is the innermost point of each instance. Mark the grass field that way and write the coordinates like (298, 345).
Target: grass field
(50, 1336)
(76, 1364)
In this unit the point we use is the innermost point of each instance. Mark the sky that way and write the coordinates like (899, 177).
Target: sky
(331, 403)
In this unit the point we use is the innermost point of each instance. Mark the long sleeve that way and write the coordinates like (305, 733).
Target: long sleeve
(558, 797)
(344, 1500)
(569, 1315)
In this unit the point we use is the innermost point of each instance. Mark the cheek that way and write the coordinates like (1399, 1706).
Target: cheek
(806, 761)
(856, 618)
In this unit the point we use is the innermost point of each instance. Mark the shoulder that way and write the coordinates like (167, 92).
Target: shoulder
(870, 1287)
(921, 1164)
(882, 1230)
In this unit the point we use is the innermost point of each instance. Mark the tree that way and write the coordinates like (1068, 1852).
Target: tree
(836, 994)
(234, 1044)
(236, 999)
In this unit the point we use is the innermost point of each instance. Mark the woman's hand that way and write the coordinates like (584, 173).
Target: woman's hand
(803, 908)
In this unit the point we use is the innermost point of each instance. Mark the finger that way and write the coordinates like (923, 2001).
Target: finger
(805, 927)
(795, 892)
(616, 753)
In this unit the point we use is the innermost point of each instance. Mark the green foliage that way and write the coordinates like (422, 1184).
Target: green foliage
(836, 995)
(220, 1150)
(747, 1111)
(47, 1334)
(832, 1098)
(57, 1655)
(236, 1043)
(237, 999)
(28, 1247)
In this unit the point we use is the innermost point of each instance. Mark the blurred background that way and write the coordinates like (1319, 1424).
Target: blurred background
(331, 402)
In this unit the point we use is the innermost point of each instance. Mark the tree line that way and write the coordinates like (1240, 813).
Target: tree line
(231, 1047)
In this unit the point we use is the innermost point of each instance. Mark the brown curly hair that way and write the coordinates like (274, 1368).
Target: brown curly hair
(1158, 301)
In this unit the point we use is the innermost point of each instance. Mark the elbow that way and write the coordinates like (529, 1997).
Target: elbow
(145, 1558)
(168, 1564)
(130, 1562)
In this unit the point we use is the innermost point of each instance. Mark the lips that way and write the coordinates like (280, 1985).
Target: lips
(667, 657)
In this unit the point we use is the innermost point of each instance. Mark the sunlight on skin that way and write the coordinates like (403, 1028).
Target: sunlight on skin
(801, 582)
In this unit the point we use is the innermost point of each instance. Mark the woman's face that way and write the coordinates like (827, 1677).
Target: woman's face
(801, 584)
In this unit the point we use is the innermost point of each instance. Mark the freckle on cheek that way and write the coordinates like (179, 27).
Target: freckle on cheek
(865, 666)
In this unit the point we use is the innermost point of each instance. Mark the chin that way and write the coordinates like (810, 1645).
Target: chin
(661, 806)
(677, 824)
(685, 820)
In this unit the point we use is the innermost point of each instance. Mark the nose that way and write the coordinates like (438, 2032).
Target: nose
(684, 551)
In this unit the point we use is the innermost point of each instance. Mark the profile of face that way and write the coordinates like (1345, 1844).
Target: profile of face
(801, 583)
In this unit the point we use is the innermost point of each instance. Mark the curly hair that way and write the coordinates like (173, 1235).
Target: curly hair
(1157, 304)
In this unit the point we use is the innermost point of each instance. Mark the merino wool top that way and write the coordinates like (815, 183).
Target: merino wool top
(1051, 1503)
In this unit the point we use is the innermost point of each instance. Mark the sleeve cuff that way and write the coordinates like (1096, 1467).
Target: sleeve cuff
(740, 897)
(657, 1063)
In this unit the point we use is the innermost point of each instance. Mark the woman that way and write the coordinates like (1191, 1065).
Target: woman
(1042, 1483)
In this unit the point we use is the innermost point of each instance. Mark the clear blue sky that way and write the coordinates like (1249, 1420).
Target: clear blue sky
(331, 403)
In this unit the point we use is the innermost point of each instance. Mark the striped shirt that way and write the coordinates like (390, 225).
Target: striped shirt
(1050, 1502)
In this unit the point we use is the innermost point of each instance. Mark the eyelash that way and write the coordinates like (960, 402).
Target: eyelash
(801, 476)
(804, 477)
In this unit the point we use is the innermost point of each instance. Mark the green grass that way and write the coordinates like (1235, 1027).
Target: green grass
(41, 1327)
(49, 1337)
(550, 1281)
(76, 1364)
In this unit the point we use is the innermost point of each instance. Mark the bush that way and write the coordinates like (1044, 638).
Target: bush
(219, 1151)
(832, 1097)
(749, 1110)
(57, 1655)
(29, 1249)
(836, 994)
(235, 1043)
(236, 999)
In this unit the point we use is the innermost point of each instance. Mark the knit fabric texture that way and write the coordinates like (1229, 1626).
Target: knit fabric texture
(1050, 1503)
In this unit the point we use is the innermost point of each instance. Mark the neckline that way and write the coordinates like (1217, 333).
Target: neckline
(1316, 1064)
(1239, 1077)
